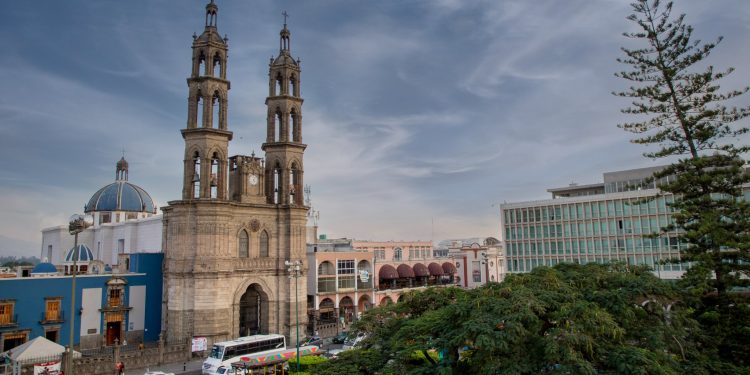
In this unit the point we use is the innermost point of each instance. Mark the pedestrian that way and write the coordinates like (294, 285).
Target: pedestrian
(119, 368)
(46, 371)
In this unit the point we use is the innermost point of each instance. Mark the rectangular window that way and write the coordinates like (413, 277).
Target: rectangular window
(345, 267)
(52, 309)
(476, 272)
(121, 246)
(345, 270)
(105, 218)
(6, 313)
(49, 254)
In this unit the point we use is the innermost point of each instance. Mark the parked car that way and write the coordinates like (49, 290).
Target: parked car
(341, 337)
(314, 340)
(333, 353)
(352, 342)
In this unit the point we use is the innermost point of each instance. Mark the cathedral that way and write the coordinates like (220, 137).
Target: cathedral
(240, 217)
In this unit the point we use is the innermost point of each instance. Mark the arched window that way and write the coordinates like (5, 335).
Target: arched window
(201, 64)
(293, 85)
(276, 183)
(217, 65)
(198, 120)
(279, 84)
(214, 175)
(196, 179)
(294, 184)
(326, 268)
(397, 253)
(216, 111)
(244, 245)
(263, 244)
(295, 131)
(277, 126)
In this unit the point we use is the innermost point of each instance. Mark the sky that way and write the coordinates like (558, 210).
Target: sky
(420, 116)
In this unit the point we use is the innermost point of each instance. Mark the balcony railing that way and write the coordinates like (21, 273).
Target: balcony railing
(364, 285)
(49, 318)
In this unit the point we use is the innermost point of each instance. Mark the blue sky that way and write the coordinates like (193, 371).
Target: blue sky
(416, 112)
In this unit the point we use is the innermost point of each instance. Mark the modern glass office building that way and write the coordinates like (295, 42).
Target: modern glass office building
(614, 220)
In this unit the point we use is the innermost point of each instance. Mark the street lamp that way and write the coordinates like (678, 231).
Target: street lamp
(295, 270)
(77, 224)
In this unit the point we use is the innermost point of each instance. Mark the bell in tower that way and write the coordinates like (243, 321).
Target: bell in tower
(284, 148)
(207, 135)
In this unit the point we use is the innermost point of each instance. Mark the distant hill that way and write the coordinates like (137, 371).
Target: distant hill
(18, 248)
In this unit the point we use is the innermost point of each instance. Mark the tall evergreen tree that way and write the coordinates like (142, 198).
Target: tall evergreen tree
(681, 109)
(684, 113)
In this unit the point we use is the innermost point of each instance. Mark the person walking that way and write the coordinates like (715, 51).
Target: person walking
(119, 368)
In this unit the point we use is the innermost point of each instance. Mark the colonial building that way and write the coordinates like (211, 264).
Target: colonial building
(110, 307)
(478, 264)
(240, 217)
(351, 277)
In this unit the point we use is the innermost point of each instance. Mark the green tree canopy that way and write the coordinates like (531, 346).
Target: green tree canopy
(567, 319)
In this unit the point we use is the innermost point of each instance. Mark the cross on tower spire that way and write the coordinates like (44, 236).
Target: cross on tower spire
(285, 14)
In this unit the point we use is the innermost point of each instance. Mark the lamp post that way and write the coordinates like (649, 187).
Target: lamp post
(295, 269)
(77, 224)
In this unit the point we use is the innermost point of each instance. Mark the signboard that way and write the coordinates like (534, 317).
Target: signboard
(53, 368)
(364, 276)
(199, 344)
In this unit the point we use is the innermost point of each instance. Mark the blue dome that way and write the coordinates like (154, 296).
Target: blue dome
(121, 196)
(44, 268)
(85, 254)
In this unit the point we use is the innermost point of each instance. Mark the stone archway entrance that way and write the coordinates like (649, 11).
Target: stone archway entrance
(253, 311)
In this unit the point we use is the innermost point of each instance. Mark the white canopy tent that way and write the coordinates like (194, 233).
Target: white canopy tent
(36, 350)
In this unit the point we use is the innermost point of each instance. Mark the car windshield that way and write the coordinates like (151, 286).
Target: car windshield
(217, 352)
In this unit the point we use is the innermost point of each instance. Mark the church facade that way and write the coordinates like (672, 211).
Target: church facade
(240, 217)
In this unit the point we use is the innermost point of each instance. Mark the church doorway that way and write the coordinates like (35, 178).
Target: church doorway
(253, 311)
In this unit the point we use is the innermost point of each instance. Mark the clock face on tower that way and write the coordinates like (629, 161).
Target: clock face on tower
(253, 179)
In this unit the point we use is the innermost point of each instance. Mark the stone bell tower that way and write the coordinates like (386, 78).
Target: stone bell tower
(240, 217)
(207, 135)
(284, 148)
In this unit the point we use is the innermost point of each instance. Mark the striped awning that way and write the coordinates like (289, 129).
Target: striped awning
(387, 272)
(420, 270)
(435, 269)
(405, 271)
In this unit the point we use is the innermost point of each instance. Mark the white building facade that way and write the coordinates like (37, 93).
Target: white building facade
(125, 222)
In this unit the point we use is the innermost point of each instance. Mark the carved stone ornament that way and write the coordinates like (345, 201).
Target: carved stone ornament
(254, 225)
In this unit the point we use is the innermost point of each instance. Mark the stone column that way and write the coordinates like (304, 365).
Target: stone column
(161, 348)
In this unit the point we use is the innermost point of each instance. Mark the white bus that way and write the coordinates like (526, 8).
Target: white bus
(253, 350)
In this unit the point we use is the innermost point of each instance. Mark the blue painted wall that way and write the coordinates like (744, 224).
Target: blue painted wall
(29, 295)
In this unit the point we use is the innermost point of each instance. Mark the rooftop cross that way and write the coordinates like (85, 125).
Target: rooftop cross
(285, 14)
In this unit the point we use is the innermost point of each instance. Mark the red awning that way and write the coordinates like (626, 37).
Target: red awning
(449, 268)
(420, 270)
(435, 269)
(387, 272)
(405, 271)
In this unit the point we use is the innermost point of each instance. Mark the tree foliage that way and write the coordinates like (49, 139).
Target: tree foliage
(568, 319)
(682, 111)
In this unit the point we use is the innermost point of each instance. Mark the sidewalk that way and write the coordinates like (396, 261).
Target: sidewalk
(176, 367)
